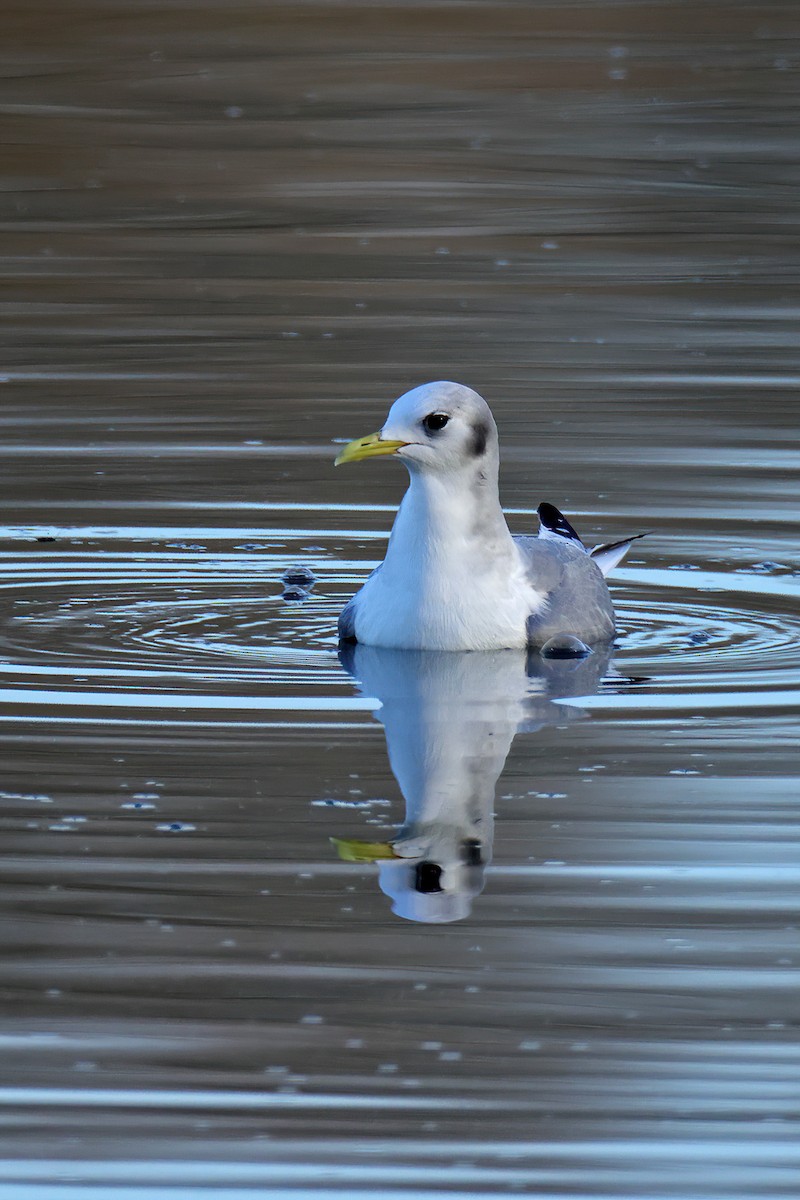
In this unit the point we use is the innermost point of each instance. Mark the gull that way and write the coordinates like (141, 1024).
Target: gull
(454, 578)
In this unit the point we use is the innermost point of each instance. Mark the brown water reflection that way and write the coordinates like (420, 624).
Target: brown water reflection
(231, 233)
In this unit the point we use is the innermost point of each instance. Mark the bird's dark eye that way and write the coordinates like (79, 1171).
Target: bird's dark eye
(435, 421)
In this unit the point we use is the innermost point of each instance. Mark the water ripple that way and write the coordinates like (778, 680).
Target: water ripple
(197, 617)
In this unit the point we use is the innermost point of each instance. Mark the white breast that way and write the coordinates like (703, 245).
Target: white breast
(470, 613)
(454, 595)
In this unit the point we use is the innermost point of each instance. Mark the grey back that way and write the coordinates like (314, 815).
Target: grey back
(580, 604)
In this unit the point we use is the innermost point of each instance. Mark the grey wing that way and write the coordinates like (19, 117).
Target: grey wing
(347, 621)
(347, 617)
(577, 597)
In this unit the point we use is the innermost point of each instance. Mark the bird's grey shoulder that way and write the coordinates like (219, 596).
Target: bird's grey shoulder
(347, 621)
(347, 617)
(547, 559)
(577, 600)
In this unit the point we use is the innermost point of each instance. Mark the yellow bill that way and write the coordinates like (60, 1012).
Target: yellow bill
(351, 850)
(372, 446)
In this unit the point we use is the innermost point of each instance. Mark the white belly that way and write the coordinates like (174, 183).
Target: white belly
(445, 610)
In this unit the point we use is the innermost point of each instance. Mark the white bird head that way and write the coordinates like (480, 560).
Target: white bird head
(438, 428)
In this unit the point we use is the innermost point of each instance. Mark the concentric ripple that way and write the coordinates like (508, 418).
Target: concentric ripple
(704, 634)
(203, 618)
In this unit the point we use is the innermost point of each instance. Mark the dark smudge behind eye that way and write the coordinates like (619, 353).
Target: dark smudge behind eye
(480, 436)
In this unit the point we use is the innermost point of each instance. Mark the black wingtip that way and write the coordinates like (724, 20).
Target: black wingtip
(557, 523)
(634, 537)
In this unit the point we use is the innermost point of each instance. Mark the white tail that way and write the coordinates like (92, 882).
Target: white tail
(612, 553)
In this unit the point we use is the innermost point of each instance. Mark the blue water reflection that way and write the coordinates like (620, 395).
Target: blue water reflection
(450, 720)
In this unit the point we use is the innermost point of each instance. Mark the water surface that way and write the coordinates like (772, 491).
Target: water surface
(232, 234)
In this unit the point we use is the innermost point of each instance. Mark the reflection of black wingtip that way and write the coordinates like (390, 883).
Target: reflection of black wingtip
(428, 878)
(626, 681)
(555, 522)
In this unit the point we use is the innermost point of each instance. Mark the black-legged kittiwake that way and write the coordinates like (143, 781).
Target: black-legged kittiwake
(453, 577)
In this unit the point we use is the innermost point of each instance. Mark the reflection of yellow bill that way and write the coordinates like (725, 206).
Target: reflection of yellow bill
(372, 446)
(350, 850)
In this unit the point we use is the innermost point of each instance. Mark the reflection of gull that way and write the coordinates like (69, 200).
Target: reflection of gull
(450, 720)
(453, 577)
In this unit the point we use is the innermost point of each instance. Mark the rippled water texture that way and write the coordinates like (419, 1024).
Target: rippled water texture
(552, 949)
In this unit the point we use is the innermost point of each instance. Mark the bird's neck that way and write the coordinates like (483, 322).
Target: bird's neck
(442, 518)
